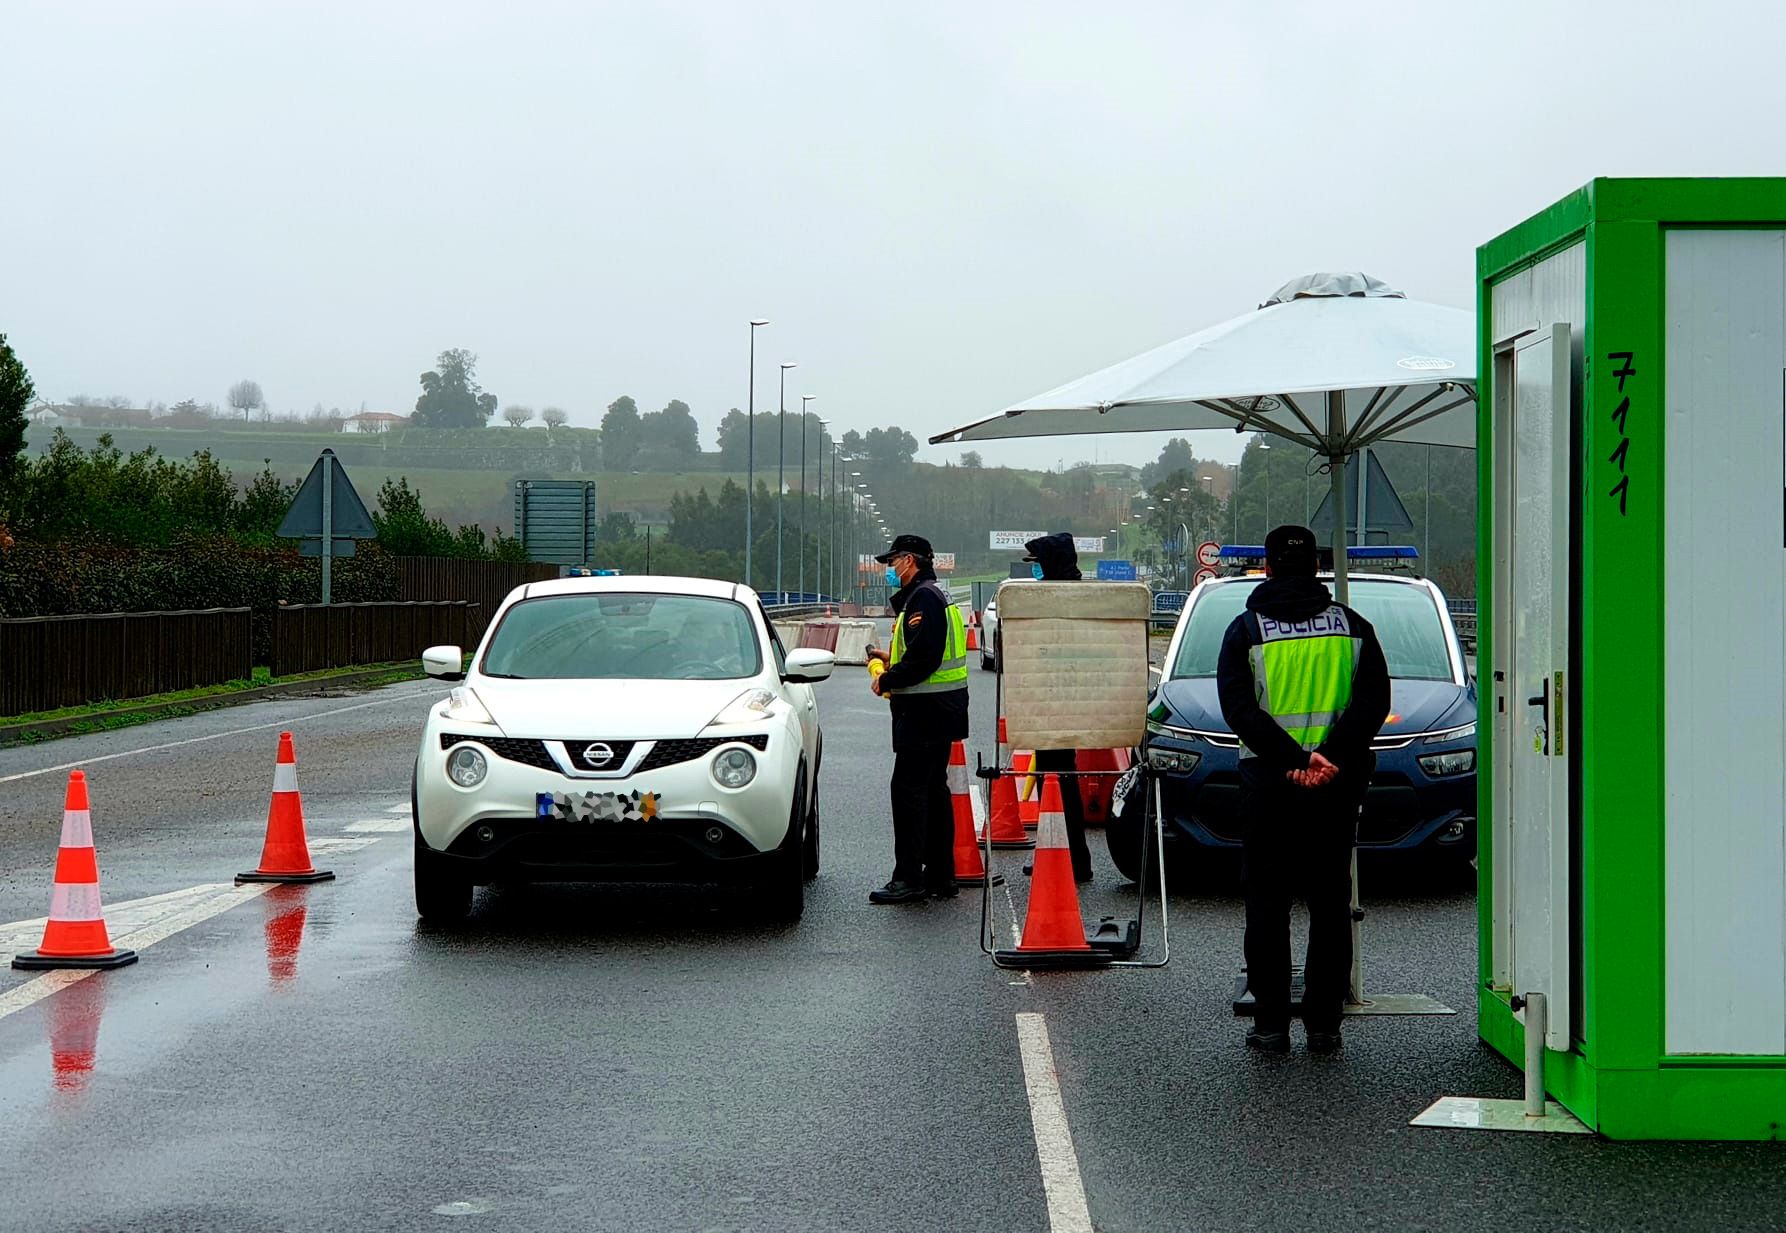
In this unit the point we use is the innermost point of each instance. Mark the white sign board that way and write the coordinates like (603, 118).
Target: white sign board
(1008, 540)
(1208, 553)
(945, 562)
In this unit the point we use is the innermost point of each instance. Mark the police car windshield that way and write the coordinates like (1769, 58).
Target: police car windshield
(616, 636)
(1405, 618)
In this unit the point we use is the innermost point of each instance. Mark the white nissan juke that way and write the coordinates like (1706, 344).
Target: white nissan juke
(621, 729)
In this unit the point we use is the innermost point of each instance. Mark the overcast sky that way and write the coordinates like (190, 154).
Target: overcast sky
(942, 208)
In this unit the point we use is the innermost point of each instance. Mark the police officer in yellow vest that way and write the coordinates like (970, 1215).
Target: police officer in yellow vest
(1304, 686)
(926, 686)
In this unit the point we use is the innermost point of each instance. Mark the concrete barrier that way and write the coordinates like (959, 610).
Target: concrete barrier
(819, 636)
(853, 638)
(789, 632)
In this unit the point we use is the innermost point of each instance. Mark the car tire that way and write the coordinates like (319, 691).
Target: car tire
(442, 894)
(783, 892)
(809, 844)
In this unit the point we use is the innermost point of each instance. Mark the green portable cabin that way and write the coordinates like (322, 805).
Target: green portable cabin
(1632, 652)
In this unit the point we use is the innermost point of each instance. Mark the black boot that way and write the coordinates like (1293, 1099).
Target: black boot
(898, 892)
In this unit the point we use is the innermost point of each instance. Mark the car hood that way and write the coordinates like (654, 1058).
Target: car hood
(606, 710)
(1415, 706)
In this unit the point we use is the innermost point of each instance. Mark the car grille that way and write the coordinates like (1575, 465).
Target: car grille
(669, 753)
(1392, 809)
(530, 753)
(618, 752)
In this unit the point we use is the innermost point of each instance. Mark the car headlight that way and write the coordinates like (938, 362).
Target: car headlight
(1455, 763)
(752, 706)
(735, 767)
(467, 767)
(1172, 761)
(1465, 733)
(463, 705)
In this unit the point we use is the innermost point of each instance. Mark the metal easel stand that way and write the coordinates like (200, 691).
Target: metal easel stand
(1113, 942)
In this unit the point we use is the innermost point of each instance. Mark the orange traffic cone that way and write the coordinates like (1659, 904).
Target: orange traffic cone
(970, 867)
(286, 855)
(1096, 791)
(75, 936)
(973, 638)
(1006, 821)
(1029, 789)
(1053, 933)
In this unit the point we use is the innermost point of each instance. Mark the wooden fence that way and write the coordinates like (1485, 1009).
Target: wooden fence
(49, 662)
(484, 583)
(310, 637)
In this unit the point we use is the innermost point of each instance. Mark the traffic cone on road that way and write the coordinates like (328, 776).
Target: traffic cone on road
(973, 638)
(1029, 789)
(1053, 932)
(1006, 821)
(970, 866)
(285, 857)
(1096, 790)
(75, 935)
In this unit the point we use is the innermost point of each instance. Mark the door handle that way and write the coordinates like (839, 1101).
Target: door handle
(1542, 700)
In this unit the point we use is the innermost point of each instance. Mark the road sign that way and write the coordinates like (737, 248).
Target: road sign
(944, 562)
(1208, 553)
(1116, 571)
(327, 515)
(1010, 540)
(555, 520)
(1203, 575)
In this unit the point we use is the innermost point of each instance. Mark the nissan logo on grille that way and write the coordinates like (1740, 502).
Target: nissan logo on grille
(597, 754)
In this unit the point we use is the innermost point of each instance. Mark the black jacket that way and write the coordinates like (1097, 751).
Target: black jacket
(1348, 746)
(923, 719)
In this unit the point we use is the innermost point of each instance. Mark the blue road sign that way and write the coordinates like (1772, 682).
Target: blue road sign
(1116, 571)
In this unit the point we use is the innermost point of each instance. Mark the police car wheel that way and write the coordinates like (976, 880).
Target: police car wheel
(809, 847)
(442, 894)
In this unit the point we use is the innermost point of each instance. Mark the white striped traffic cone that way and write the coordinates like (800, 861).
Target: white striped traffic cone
(285, 857)
(75, 935)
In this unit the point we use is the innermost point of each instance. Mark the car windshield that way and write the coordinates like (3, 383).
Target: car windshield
(1405, 618)
(624, 636)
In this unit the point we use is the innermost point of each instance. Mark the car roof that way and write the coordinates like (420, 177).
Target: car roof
(651, 584)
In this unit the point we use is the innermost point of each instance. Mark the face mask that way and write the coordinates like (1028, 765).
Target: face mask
(892, 577)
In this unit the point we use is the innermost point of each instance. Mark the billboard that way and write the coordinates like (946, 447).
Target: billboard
(1007, 540)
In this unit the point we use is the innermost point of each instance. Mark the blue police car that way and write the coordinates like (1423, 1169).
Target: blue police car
(1422, 798)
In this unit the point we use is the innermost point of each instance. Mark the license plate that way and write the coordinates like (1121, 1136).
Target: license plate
(597, 806)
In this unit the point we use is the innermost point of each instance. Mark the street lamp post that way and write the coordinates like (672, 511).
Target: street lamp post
(818, 547)
(781, 435)
(750, 448)
(800, 549)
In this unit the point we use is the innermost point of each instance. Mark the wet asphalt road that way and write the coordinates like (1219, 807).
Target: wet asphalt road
(311, 1058)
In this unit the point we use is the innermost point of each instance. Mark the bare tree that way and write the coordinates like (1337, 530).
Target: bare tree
(517, 415)
(118, 402)
(245, 396)
(554, 417)
(83, 400)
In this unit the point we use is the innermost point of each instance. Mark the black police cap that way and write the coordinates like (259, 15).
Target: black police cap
(917, 545)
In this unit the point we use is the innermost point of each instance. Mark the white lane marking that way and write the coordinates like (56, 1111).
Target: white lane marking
(196, 905)
(126, 916)
(282, 724)
(1067, 1210)
(398, 809)
(383, 826)
(340, 845)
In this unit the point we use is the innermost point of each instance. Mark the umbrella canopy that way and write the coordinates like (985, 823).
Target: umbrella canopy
(1333, 362)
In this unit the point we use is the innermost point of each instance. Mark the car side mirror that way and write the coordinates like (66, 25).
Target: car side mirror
(444, 663)
(809, 665)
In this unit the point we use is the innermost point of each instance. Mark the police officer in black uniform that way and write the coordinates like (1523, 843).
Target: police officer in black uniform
(925, 725)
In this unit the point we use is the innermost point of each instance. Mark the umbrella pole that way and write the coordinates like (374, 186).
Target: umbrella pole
(1336, 475)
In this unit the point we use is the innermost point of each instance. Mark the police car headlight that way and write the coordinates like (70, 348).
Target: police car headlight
(1441, 765)
(1172, 761)
(1465, 733)
(467, 767)
(733, 768)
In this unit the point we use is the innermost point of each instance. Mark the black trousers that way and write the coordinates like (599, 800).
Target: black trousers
(923, 817)
(1072, 804)
(1298, 844)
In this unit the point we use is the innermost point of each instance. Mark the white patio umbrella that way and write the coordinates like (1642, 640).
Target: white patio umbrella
(1333, 362)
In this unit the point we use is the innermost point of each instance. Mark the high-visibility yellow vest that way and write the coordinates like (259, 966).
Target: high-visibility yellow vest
(952, 672)
(1302, 673)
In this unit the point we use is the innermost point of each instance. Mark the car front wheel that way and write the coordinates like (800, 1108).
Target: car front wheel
(783, 892)
(442, 894)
